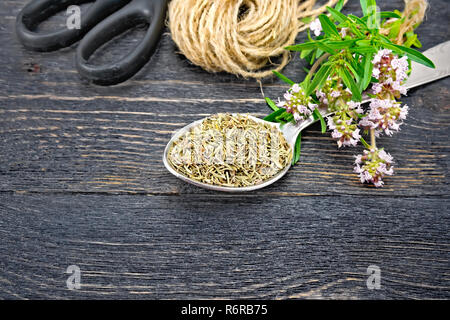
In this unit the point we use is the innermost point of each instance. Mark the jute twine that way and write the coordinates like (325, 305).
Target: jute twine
(241, 36)
(413, 14)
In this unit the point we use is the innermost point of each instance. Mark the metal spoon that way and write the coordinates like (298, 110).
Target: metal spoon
(419, 75)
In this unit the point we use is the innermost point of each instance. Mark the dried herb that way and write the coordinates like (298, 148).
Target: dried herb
(231, 151)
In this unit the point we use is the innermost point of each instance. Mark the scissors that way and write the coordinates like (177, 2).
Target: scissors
(102, 21)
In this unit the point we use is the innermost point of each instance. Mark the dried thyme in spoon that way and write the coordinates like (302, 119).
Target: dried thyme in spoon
(231, 151)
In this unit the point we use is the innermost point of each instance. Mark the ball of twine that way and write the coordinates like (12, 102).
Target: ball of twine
(238, 36)
(242, 36)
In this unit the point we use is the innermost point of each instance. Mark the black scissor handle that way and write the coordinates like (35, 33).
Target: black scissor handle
(38, 11)
(152, 12)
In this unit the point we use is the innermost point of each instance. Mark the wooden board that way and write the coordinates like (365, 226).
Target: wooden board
(82, 182)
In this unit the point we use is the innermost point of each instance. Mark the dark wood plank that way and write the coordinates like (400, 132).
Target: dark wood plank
(82, 182)
(222, 247)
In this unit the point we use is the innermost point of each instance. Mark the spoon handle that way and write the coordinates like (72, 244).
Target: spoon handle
(419, 75)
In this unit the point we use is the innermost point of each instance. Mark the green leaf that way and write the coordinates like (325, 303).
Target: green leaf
(271, 117)
(417, 44)
(322, 120)
(338, 45)
(394, 29)
(363, 43)
(350, 83)
(328, 27)
(355, 74)
(363, 50)
(303, 46)
(283, 117)
(372, 16)
(385, 39)
(412, 54)
(313, 56)
(283, 77)
(363, 4)
(389, 14)
(305, 53)
(368, 66)
(319, 78)
(364, 7)
(319, 52)
(411, 39)
(365, 143)
(306, 20)
(358, 20)
(354, 29)
(384, 15)
(271, 104)
(289, 117)
(325, 48)
(339, 17)
(338, 7)
(297, 149)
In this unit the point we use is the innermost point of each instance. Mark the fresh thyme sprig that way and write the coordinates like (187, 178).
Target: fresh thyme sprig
(349, 56)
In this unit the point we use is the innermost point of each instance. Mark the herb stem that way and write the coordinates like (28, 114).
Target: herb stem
(372, 139)
(316, 64)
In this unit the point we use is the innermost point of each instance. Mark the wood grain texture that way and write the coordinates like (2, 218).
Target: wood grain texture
(82, 182)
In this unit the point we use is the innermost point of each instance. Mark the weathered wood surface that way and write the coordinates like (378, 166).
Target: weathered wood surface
(82, 182)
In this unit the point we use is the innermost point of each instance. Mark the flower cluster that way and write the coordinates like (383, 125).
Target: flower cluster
(373, 165)
(384, 115)
(297, 103)
(332, 94)
(336, 98)
(350, 60)
(345, 129)
(391, 72)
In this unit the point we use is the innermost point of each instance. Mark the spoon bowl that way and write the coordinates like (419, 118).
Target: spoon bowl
(263, 184)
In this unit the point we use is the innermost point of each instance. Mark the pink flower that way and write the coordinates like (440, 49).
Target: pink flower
(336, 135)
(346, 132)
(391, 72)
(281, 104)
(297, 103)
(376, 88)
(295, 88)
(335, 94)
(316, 27)
(376, 73)
(312, 106)
(384, 116)
(373, 166)
(356, 106)
(330, 123)
(381, 54)
(398, 87)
